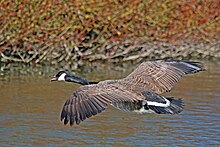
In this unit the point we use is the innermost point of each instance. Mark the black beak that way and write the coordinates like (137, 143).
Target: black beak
(53, 79)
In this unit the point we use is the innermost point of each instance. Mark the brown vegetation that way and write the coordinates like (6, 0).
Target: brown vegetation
(39, 31)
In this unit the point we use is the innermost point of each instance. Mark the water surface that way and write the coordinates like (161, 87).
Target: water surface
(30, 112)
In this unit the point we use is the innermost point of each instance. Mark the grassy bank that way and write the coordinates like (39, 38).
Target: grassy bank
(55, 31)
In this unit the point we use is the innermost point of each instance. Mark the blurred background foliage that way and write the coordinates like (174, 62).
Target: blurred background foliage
(30, 30)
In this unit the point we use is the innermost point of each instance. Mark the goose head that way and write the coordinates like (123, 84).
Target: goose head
(60, 76)
(68, 77)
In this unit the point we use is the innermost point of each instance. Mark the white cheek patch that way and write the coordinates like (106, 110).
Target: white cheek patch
(62, 77)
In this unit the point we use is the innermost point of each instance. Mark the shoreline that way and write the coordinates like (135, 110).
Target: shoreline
(118, 51)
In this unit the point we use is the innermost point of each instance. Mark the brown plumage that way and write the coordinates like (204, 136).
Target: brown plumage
(138, 90)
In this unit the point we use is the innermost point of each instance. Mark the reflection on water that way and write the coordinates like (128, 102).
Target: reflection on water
(30, 108)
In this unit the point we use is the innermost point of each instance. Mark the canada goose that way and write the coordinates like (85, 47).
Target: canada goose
(138, 92)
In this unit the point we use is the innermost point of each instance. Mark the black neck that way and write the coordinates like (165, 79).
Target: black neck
(78, 80)
(93, 82)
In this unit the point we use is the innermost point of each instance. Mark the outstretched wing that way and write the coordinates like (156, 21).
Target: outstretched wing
(90, 100)
(160, 76)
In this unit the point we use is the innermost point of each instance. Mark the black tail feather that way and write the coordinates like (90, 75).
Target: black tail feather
(175, 107)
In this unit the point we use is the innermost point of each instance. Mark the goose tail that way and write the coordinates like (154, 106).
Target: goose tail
(172, 106)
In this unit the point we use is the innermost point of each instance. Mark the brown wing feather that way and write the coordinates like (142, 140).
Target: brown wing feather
(90, 100)
(160, 76)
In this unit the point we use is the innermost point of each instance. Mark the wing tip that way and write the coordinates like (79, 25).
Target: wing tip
(67, 120)
(188, 67)
(197, 66)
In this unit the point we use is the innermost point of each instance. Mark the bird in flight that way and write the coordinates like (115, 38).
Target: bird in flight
(138, 92)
